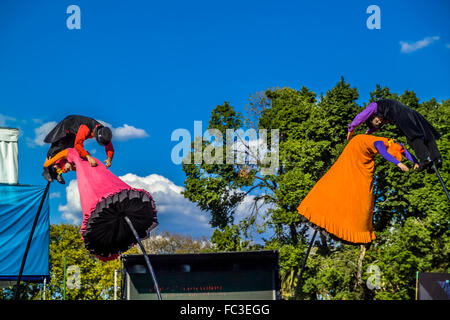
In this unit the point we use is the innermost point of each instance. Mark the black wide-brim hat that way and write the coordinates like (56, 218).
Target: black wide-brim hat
(108, 234)
(103, 135)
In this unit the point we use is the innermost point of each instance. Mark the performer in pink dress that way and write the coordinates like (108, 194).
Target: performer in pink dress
(105, 201)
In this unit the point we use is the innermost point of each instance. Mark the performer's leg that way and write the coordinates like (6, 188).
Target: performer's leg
(50, 173)
(434, 160)
(60, 145)
(421, 151)
(434, 152)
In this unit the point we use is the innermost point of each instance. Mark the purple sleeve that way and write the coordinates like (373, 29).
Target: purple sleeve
(383, 152)
(363, 116)
(409, 156)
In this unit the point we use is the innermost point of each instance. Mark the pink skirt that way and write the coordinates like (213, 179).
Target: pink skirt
(105, 201)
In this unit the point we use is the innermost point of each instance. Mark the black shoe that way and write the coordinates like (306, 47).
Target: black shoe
(425, 164)
(60, 179)
(438, 162)
(430, 169)
(47, 176)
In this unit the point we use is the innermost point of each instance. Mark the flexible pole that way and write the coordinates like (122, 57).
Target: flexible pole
(24, 259)
(300, 276)
(417, 283)
(147, 260)
(65, 278)
(441, 181)
(115, 284)
(45, 287)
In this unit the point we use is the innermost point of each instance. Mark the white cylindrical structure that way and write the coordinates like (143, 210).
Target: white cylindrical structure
(115, 284)
(9, 156)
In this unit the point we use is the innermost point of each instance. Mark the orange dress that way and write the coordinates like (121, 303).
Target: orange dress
(342, 201)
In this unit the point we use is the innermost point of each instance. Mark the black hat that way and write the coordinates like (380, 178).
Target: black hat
(103, 135)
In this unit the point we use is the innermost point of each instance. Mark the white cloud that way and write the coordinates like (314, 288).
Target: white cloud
(55, 195)
(71, 211)
(40, 134)
(411, 47)
(125, 132)
(4, 119)
(176, 214)
(247, 208)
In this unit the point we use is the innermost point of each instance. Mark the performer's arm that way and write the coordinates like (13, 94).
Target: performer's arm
(379, 145)
(363, 116)
(82, 134)
(110, 153)
(409, 156)
(109, 149)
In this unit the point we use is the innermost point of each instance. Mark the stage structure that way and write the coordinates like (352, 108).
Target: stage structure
(19, 205)
(433, 286)
(9, 156)
(250, 275)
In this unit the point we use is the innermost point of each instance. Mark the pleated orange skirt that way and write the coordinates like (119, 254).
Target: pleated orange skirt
(342, 201)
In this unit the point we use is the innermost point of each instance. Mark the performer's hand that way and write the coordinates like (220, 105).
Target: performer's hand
(107, 162)
(69, 166)
(403, 167)
(416, 166)
(349, 135)
(91, 161)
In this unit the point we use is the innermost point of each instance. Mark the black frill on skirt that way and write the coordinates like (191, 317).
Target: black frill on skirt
(107, 232)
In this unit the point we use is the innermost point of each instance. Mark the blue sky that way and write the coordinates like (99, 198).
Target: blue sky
(156, 67)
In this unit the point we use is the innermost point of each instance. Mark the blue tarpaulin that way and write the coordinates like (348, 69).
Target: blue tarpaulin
(18, 207)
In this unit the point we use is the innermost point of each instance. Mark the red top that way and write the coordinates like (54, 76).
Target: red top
(84, 133)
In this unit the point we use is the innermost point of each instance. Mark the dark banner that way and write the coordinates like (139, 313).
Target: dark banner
(205, 276)
(434, 286)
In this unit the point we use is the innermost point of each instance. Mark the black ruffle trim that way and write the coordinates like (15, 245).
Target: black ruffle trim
(107, 232)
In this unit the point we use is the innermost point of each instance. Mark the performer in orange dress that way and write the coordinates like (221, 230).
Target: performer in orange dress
(342, 201)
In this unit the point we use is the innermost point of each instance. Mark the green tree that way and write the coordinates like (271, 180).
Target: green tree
(166, 242)
(96, 277)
